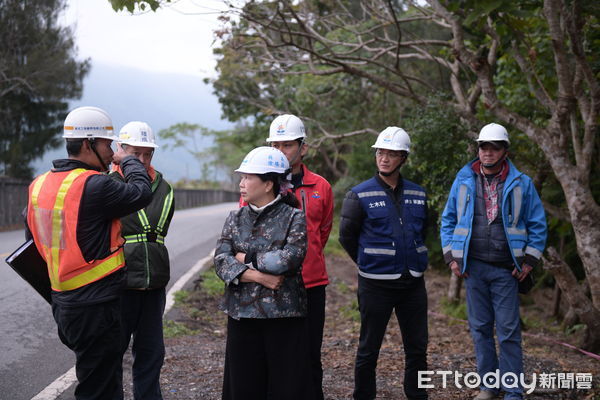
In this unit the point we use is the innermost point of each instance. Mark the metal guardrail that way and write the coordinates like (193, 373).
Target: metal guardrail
(13, 199)
(190, 198)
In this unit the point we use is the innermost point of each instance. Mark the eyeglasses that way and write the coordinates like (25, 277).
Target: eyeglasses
(390, 153)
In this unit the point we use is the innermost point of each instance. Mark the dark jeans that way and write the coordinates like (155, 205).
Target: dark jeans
(142, 317)
(376, 300)
(493, 301)
(93, 333)
(316, 320)
(267, 359)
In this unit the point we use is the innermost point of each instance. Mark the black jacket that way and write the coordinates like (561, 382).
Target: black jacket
(103, 200)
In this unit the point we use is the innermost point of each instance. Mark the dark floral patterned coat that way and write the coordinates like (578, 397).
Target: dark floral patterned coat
(276, 241)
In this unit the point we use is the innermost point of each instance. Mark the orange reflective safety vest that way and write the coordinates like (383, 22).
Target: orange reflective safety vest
(52, 215)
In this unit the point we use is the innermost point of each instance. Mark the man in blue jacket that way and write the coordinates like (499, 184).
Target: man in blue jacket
(382, 228)
(493, 234)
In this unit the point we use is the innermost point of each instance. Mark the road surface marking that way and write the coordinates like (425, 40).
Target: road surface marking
(56, 388)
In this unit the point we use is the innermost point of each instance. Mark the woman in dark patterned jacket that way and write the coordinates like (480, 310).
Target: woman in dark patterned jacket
(259, 257)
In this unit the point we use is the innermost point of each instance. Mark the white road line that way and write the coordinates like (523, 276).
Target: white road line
(56, 388)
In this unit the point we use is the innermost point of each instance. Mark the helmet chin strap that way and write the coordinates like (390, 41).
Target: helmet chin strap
(298, 153)
(93, 147)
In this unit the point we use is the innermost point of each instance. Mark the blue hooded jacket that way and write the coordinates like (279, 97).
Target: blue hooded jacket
(522, 214)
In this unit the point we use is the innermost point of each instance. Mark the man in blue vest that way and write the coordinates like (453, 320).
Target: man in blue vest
(493, 234)
(382, 228)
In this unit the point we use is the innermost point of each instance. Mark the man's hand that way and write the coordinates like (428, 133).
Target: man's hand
(456, 270)
(525, 270)
(119, 155)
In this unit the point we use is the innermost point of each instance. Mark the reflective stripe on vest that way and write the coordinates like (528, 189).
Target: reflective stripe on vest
(165, 210)
(147, 228)
(144, 220)
(142, 237)
(49, 231)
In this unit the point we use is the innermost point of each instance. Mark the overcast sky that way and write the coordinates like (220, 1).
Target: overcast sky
(148, 67)
(176, 38)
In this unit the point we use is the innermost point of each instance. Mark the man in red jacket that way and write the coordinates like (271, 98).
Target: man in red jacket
(314, 194)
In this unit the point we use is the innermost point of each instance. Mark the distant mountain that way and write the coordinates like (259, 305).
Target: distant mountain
(157, 98)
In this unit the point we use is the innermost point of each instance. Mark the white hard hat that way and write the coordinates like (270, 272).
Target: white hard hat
(137, 133)
(263, 160)
(493, 133)
(87, 123)
(286, 127)
(393, 138)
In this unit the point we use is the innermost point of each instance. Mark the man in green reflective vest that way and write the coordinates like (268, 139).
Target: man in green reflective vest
(147, 262)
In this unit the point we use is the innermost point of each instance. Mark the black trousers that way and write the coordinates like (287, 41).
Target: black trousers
(267, 359)
(93, 332)
(316, 320)
(376, 301)
(142, 317)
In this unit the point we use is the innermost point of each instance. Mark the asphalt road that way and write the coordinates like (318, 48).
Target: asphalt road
(31, 355)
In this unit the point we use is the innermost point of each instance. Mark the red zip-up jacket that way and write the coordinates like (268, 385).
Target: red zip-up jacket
(316, 200)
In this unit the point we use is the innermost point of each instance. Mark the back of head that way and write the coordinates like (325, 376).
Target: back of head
(88, 123)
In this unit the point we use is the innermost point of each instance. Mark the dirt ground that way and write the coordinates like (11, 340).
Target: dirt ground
(194, 363)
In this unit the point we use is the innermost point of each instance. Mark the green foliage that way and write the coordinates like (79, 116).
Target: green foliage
(333, 246)
(253, 90)
(345, 89)
(351, 311)
(211, 284)
(181, 296)
(193, 138)
(133, 5)
(575, 328)
(173, 329)
(38, 76)
(453, 309)
(342, 287)
(439, 148)
(530, 321)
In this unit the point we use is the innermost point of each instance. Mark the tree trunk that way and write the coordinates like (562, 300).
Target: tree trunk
(454, 288)
(556, 301)
(585, 214)
(580, 304)
(570, 319)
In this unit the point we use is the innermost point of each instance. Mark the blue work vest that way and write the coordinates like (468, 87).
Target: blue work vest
(391, 244)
